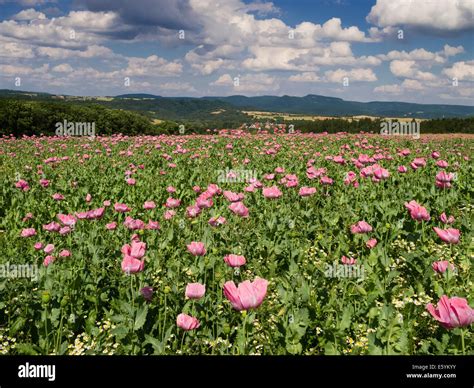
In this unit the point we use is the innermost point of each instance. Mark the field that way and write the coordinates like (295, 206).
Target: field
(235, 243)
(292, 116)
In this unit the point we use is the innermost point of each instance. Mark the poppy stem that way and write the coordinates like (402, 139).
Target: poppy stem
(60, 332)
(182, 340)
(462, 342)
(46, 329)
(245, 333)
(133, 312)
(164, 325)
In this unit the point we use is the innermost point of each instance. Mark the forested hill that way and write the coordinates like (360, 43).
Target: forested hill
(173, 108)
(35, 113)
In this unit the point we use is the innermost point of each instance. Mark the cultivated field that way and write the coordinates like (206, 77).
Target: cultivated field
(236, 244)
(291, 116)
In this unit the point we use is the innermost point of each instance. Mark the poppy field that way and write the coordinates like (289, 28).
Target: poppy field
(234, 243)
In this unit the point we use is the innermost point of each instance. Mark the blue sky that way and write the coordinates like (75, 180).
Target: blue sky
(399, 50)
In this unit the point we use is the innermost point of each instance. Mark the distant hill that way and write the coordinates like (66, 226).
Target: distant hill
(331, 106)
(132, 114)
(313, 105)
(190, 108)
(138, 95)
(20, 93)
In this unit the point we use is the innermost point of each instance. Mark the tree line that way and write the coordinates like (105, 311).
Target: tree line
(27, 117)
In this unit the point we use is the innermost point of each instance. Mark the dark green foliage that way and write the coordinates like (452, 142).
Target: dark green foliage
(23, 113)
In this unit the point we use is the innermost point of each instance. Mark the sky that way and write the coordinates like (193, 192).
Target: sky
(360, 50)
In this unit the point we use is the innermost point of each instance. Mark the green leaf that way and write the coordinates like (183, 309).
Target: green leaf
(119, 332)
(330, 349)
(27, 349)
(17, 325)
(346, 318)
(141, 317)
(294, 348)
(155, 342)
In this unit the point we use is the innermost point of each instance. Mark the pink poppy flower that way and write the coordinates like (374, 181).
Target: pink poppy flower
(58, 197)
(186, 322)
(96, 213)
(28, 232)
(249, 189)
(131, 262)
(441, 266)
(65, 253)
(193, 211)
(131, 265)
(452, 312)
(169, 214)
(271, 192)
(381, 173)
(450, 235)
(152, 225)
(248, 295)
(371, 243)
(196, 248)
(234, 260)
(350, 177)
(136, 250)
(204, 203)
(67, 220)
(361, 227)
(172, 203)
(216, 221)
(49, 248)
(27, 217)
(111, 226)
(65, 230)
(48, 260)
(417, 212)
(442, 164)
(132, 224)
(445, 220)
(307, 191)
(148, 205)
(213, 189)
(233, 197)
(402, 169)
(348, 260)
(121, 208)
(52, 227)
(419, 162)
(443, 179)
(325, 180)
(239, 209)
(195, 290)
(22, 184)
